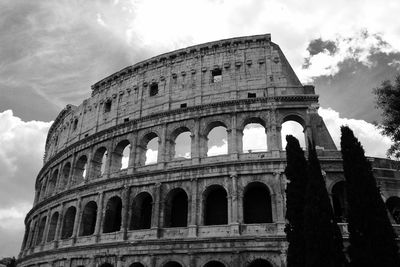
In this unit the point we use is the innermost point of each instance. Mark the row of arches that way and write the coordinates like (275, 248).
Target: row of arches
(340, 205)
(91, 166)
(257, 208)
(212, 263)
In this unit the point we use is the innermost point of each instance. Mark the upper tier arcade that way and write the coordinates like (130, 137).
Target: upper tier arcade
(211, 73)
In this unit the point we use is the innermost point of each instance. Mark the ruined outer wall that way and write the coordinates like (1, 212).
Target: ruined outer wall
(257, 85)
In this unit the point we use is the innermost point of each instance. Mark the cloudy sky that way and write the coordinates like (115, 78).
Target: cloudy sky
(52, 51)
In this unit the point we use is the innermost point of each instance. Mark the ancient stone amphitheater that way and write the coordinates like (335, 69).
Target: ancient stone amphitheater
(115, 189)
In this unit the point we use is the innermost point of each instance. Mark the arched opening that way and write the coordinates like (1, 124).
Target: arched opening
(99, 162)
(149, 149)
(42, 225)
(393, 205)
(120, 157)
(80, 169)
(293, 125)
(31, 234)
(257, 204)
(142, 207)
(112, 218)
(106, 264)
(75, 125)
(65, 175)
(215, 206)
(339, 200)
(217, 141)
(68, 223)
(43, 191)
(260, 263)
(172, 264)
(176, 208)
(214, 264)
(136, 264)
(52, 183)
(254, 136)
(53, 226)
(183, 143)
(88, 222)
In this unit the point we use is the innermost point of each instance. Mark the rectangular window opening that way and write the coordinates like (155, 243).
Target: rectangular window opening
(126, 119)
(184, 105)
(251, 95)
(216, 75)
(107, 106)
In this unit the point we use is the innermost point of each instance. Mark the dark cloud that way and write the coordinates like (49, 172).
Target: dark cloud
(320, 46)
(53, 51)
(350, 90)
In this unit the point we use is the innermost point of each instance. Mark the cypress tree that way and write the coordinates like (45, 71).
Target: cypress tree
(323, 240)
(296, 173)
(372, 240)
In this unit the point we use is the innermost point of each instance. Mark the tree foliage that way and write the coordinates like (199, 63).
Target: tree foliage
(388, 100)
(372, 240)
(296, 173)
(324, 245)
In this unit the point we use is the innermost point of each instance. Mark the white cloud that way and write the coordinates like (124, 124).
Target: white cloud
(21, 152)
(357, 46)
(374, 143)
(218, 149)
(254, 138)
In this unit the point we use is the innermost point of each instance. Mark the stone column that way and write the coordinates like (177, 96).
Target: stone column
(110, 150)
(132, 155)
(195, 144)
(193, 209)
(235, 227)
(77, 220)
(57, 235)
(125, 211)
(120, 261)
(155, 222)
(162, 147)
(233, 148)
(46, 229)
(99, 215)
(279, 198)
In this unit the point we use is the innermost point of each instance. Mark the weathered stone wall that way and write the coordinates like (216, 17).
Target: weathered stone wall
(256, 85)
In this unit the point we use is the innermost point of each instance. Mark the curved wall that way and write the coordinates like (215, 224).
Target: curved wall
(96, 206)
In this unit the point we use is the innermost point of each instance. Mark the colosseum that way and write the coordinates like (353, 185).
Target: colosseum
(130, 177)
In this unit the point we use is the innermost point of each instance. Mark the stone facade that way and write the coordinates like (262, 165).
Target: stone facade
(92, 210)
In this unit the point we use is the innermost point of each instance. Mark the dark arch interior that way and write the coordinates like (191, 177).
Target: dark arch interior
(260, 263)
(68, 223)
(53, 226)
(393, 205)
(214, 264)
(176, 210)
(172, 264)
(216, 206)
(41, 230)
(88, 222)
(136, 264)
(80, 169)
(106, 264)
(339, 200)
(65, 174)
(53, 182)
(112, 220)
(257, 204)
(117, 156)
(141, 212)
(97, 161)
